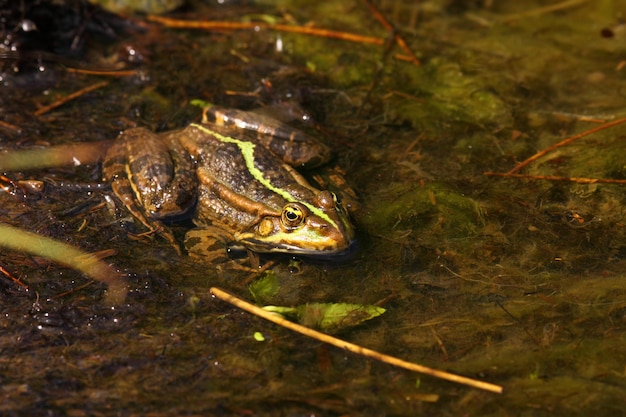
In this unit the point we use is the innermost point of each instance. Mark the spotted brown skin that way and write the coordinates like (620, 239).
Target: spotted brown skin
(293, 146)
(243, 191)
(155, 168)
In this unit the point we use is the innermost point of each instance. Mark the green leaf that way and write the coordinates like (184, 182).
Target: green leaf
(198, 102)
(337, 316)
(265, 288)
(329, 316)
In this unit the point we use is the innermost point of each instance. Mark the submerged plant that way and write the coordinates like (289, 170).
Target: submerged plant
(64, 254)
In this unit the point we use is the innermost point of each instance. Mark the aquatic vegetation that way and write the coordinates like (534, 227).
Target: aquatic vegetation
(21, 240)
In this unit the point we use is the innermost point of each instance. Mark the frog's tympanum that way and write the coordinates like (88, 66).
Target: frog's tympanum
(235, 173)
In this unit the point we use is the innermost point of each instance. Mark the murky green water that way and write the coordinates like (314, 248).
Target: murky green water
(518, 282)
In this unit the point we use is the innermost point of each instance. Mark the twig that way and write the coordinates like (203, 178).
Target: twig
(399, 40)
(70, 97)
(359, 350)
(12, 278)
(102, 72)
(9, 126)
(220, 25)
(518, 321)
(565, 142)
(68, 64)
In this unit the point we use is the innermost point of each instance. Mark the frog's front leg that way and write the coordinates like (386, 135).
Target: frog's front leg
(152, 175)
(211, 244)
(208, 244)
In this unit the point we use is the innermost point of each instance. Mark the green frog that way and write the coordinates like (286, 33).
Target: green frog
(235, 173)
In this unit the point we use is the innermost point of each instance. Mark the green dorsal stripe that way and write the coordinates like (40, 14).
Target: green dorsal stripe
(247, 151)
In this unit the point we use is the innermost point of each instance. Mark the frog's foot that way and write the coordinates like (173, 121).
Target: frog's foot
(122, 189)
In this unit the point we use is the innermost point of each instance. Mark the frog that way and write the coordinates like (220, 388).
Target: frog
(235, 173)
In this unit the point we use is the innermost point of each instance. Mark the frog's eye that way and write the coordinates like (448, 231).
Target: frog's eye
(336, 198)
(292, 215)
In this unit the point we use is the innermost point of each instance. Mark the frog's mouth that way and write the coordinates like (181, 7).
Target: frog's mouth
(340, 253)
(346, 255)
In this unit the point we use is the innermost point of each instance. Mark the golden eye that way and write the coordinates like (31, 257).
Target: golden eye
(292, 215)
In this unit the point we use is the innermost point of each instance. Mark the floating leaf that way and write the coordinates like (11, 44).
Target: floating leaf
(329, 316)
(265, 288)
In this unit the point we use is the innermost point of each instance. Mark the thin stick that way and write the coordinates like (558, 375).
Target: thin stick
(359, 350)
(385, 23)
(102, 72)
(12, 278)
(556, 178)
(565, 142)
(70, 97)
(9, 126)
(220, 25)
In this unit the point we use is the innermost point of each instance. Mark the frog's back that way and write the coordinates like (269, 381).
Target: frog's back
(238, 179)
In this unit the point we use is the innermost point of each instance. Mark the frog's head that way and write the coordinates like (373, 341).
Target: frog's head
(319, 229)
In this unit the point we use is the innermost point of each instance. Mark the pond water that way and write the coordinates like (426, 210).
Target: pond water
(519, 282)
